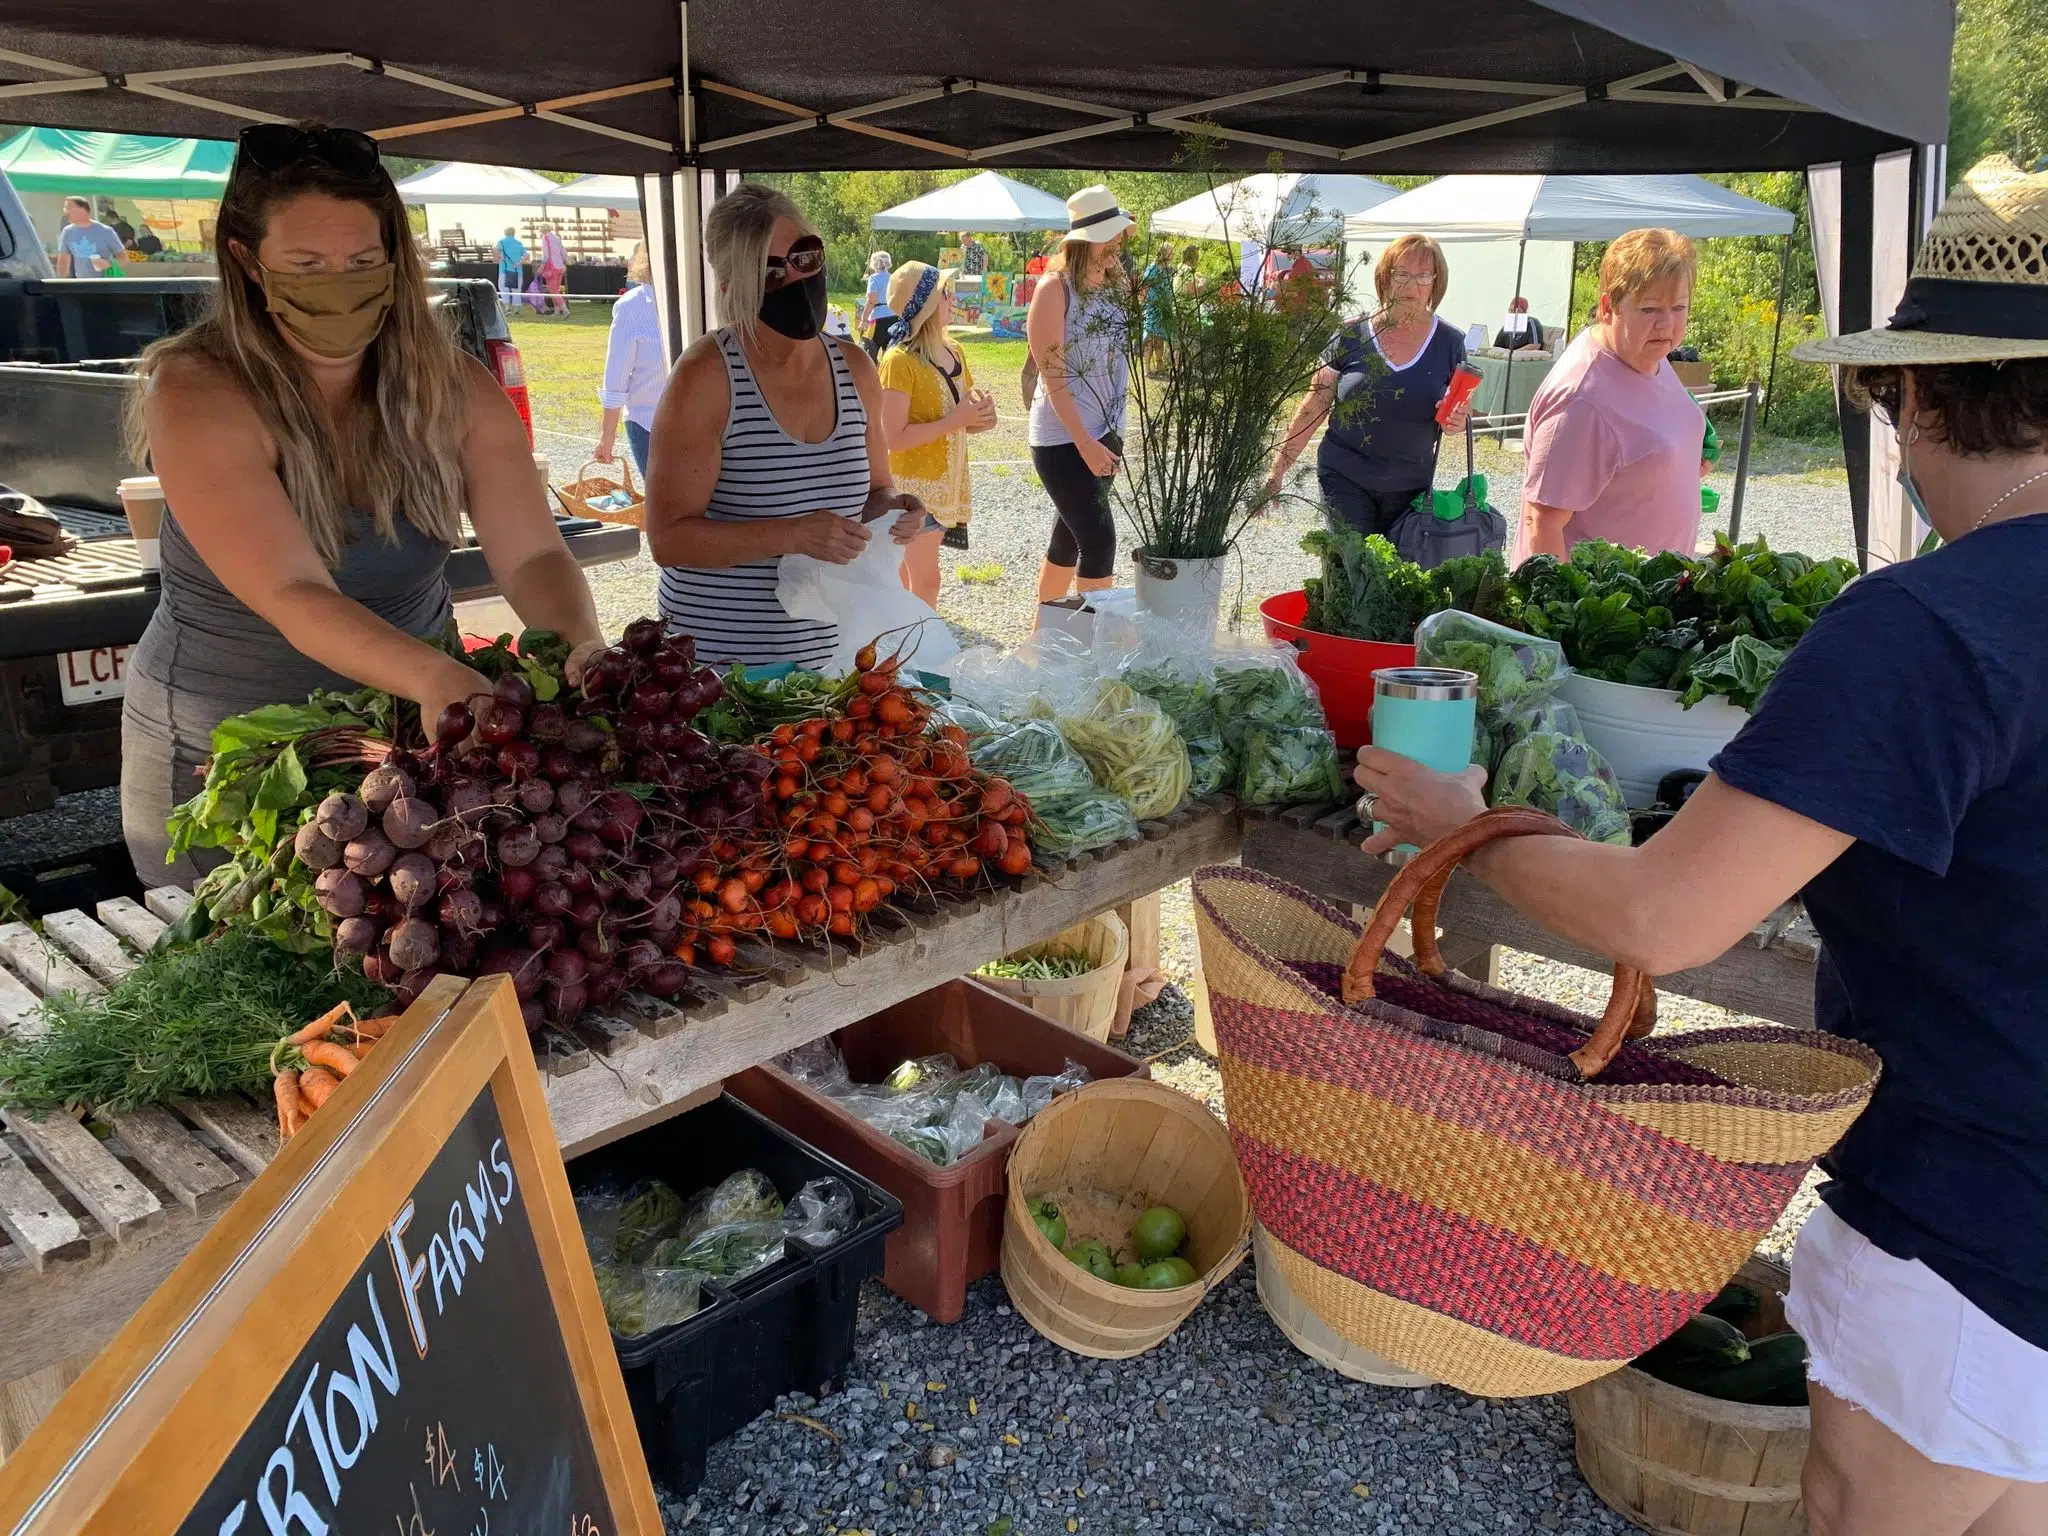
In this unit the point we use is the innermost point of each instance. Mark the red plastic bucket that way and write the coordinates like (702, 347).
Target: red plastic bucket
(1341, 669)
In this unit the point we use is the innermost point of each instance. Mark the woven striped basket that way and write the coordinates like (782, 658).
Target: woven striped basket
(1467, 1205)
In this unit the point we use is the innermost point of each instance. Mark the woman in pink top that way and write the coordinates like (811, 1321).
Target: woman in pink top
(1614, 439)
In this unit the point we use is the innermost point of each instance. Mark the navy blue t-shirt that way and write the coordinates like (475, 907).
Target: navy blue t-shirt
(1914, 717)
(1383, 433)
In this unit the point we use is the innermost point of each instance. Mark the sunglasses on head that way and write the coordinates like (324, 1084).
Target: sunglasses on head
(806, 259)
(273, 147)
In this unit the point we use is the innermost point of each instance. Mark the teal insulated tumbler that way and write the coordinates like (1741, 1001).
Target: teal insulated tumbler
(1425, 713)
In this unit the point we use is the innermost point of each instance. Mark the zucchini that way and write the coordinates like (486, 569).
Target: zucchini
(1736, 1304)
(1704, 1342)
(1774, 1375)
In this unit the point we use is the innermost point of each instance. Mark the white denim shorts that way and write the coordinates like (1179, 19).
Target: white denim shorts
(1896, 1340)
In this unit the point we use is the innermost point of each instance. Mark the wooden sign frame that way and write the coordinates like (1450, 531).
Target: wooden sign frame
(139, 1438)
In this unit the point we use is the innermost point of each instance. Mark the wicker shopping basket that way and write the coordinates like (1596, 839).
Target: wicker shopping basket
(1445, 1186)
(579, 496)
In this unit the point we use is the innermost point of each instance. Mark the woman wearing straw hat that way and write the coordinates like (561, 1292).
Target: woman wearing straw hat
(1894, 775)
(929, 405)
(1075, 329)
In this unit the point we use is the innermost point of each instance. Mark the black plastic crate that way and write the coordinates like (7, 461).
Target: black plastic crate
(788, 1328)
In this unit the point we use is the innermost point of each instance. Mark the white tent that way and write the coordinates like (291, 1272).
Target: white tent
(983, 204)
(595, 192)
(501, 186)
(1274, 209)
(1565, 208)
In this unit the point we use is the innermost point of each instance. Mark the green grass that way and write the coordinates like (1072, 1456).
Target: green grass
(981, 575)
(564, 365)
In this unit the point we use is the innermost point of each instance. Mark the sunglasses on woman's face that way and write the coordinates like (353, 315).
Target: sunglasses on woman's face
(806, 259)
(273, 147)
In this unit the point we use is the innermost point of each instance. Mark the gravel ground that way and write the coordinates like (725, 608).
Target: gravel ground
(985, 1429)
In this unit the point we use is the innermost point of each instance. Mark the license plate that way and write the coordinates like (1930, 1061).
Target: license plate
(87, 676)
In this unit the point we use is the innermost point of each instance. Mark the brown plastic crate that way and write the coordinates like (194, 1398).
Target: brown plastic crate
(952, 1228)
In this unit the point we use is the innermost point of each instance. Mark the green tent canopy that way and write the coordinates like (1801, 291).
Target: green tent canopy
(115, 164)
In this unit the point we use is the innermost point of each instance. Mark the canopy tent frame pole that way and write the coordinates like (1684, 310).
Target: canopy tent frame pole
(690, 248)
(1507, 378)
(1777, 323)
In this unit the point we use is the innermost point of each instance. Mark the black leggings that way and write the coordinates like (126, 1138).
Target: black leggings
(1366, 510)
(1085, 534)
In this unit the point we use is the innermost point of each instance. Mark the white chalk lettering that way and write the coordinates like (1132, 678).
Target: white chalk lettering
(304, 1409)
(460, 1236)
(481, 1201)
(504, 1170)
(233, 1520)
(296, 1508)
(411, 1272)
(441, 1264)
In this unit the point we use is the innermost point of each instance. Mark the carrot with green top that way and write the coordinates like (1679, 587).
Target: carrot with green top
(285, 1087)
(336, 1058)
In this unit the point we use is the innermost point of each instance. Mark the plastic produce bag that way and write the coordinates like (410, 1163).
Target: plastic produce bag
(641, 1299)
(1078, 823)
(865, 597)
(822, 1211)
(1289, 765)
(746, 1196)
(1561, 773)
(650, 1211)
(730, 1250)
(1185, 688)
(819, 1067)
(1273, 720)
(1513, 668)
(1041, 1091)
(597, 1213)
(1130, 746)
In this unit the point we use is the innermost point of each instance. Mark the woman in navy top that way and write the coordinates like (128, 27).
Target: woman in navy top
(1380, 382)
(1895, 775)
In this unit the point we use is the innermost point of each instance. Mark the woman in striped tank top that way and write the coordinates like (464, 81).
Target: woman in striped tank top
(768, 442)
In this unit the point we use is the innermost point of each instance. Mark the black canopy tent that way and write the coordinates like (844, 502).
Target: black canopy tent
(1459, 85)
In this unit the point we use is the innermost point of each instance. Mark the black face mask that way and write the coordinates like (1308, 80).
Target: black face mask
(796, 310)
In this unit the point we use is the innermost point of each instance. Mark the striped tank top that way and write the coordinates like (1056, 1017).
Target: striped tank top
(764, 472)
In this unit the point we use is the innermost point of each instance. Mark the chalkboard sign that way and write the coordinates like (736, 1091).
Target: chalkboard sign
(449, 1372)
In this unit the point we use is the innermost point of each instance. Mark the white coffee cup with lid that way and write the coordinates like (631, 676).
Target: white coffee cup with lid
(142, 498)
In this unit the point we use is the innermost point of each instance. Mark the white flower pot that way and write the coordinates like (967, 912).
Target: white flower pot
(1644, 734)
(1182, 590)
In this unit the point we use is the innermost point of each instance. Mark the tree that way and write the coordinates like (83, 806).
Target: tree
(1998, 90)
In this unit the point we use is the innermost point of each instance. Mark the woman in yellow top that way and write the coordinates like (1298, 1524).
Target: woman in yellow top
(929, 405)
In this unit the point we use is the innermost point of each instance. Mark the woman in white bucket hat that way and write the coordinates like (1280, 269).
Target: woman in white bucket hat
(1894, 775)
(1075, 328)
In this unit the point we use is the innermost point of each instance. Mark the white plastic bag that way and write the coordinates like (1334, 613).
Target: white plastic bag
(865, 597)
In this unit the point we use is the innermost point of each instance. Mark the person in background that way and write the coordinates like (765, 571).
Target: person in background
(1158, 280)
(554, 269)
(1613, 437)
(633, 370)
(511, 267)
(1076, 333)
(1187, 278)
(875, 318)
(973, 257)
(147, 244)
(111, 217)
(319, 437)
(1379, 384)
(770, 444)
(1891, 776)
(85, 247)
(1520, 329)
(929, 405)
(1035, 266)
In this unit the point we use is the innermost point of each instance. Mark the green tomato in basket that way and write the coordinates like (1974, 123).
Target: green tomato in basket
(1131, 1275)
(1159, 1233)
(1047, 1218)
(1094, 1257)
(1169, 1274)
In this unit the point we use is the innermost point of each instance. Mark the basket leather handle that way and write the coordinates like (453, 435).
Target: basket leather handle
(623, 461)
(1631, 1007)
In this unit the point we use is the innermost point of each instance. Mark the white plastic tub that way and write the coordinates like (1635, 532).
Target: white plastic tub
(1644, 734)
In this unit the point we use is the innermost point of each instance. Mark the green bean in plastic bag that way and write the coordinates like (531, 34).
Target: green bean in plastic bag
(1130, 746)
(1073, 824)
(1035, 758)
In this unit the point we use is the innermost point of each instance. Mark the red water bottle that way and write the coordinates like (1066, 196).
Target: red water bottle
(1463, 382)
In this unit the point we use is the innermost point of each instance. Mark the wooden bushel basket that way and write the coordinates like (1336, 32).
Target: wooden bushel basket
(1105, 1153)
(1084, 1003)
(1682, 1464)
(578, 496)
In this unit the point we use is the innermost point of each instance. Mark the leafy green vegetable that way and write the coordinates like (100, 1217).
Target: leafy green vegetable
(754, 706)
(1564, 775)
(1366, 590)
(186, 1022)
(1512, 668)
(1189, 700)
(1289, 765)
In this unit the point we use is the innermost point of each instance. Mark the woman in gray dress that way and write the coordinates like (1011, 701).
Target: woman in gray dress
(319, 436)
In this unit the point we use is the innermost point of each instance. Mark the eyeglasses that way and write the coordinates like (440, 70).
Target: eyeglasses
(806, 259)
(1400, 277)
(273, 147)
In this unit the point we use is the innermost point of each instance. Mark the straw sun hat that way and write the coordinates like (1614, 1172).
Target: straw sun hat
(1979, 291)
(1093, 214)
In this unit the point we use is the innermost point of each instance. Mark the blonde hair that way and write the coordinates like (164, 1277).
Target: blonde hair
(1076, 255)
(1643, 259)
(736, 237)
(925, 339)
(395, 445)
(1405, 246)
(638, 268)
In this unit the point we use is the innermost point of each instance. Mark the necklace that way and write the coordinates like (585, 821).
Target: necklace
(2008, 496)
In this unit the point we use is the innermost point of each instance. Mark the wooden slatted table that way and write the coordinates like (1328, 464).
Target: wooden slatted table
(1770, 976)
(97, 1210)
